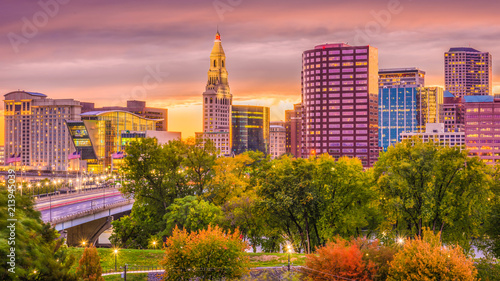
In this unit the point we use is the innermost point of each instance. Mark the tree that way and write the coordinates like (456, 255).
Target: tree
(39, 254)
(210, 254)
(155, 173)
(424, 258)
(243, 213)
(134, 230)
(89, 267)
(288, 193)
(230, 178)
(191, 214)
(428, 185)
(348, 204)
(199, 160)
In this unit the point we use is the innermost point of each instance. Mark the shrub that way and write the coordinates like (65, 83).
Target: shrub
(339, 258)
(426, 259)
(209, 254)
(89, 267)
(379, 255)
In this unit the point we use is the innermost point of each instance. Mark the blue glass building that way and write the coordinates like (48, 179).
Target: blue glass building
(398, 113)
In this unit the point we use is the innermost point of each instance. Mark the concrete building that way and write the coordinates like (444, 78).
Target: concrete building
(293, 126)
(467, 72)
(277, 139)
(136, 107)
(482, 127)
(217, 101)
(451, 113)
(406, 110)
(401, 78)
(35, 128)
(436, 132)
(250, 128)
(340, 100)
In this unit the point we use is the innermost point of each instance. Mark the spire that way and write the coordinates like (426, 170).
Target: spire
(217, 35)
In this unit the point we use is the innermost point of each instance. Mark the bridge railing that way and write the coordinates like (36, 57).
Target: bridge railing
(92, 211)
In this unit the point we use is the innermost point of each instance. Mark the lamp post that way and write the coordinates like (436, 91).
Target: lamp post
(116, 254)
(289, 250)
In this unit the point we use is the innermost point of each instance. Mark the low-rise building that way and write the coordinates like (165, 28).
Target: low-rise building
(436, 132)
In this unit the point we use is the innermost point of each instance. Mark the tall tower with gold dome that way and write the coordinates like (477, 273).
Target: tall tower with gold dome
(217, 101)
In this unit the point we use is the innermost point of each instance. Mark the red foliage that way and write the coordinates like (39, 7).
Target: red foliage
(339, 258)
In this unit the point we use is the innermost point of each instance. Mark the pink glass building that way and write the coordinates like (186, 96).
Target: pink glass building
(482, 127)
(340, 102)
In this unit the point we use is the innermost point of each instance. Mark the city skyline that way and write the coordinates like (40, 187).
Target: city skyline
(105, 55)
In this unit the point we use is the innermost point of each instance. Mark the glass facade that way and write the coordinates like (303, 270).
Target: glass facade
(250, 128)
(397, 114)
(406, 110)
(105, 129)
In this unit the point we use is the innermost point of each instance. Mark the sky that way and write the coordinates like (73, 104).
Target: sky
(111, 51)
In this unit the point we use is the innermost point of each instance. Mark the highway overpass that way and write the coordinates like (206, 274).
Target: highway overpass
(84, 216)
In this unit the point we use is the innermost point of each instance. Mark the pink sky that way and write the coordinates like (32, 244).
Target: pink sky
(99, 51)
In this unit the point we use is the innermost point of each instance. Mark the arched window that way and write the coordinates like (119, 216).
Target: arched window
(215, 63)
(222, 63)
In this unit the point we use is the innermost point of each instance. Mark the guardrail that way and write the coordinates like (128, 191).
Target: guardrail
(92, 211)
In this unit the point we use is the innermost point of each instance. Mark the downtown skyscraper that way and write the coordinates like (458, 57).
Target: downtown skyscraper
(217, 101)
(467, 72)
(340, 101)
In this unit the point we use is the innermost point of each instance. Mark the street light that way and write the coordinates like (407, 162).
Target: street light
(116, 254)
(289, 248)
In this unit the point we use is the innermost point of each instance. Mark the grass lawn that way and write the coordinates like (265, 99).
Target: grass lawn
(133, 257)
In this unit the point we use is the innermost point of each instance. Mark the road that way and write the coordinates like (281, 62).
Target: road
(60, 207)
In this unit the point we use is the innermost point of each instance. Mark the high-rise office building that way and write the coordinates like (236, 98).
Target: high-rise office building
(35, 128)
(429, 101)
(293, 126)
(467, 72)
(397, 114)
(217, 101)
(482, 127)
(406, 110)
(137, 107)
(451, 113)
(250, 128)
(340, 100)
(401, 78)
(277, 139)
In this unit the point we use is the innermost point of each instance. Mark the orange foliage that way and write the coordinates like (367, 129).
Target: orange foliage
(210, 254)
(426, 259)
(339, 258)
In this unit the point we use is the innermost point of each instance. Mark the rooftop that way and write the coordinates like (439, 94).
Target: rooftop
(478, 98)
(463, 49)
(448, 94)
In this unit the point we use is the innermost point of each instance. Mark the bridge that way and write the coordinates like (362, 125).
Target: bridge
(84, 216)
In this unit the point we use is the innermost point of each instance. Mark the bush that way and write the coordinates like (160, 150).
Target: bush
(379, 255)
(210, 254)
(89, 267)
(487, 270)
(339, 258)
(426, 259)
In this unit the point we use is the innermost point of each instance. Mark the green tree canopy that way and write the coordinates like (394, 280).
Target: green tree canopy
(428, 185)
